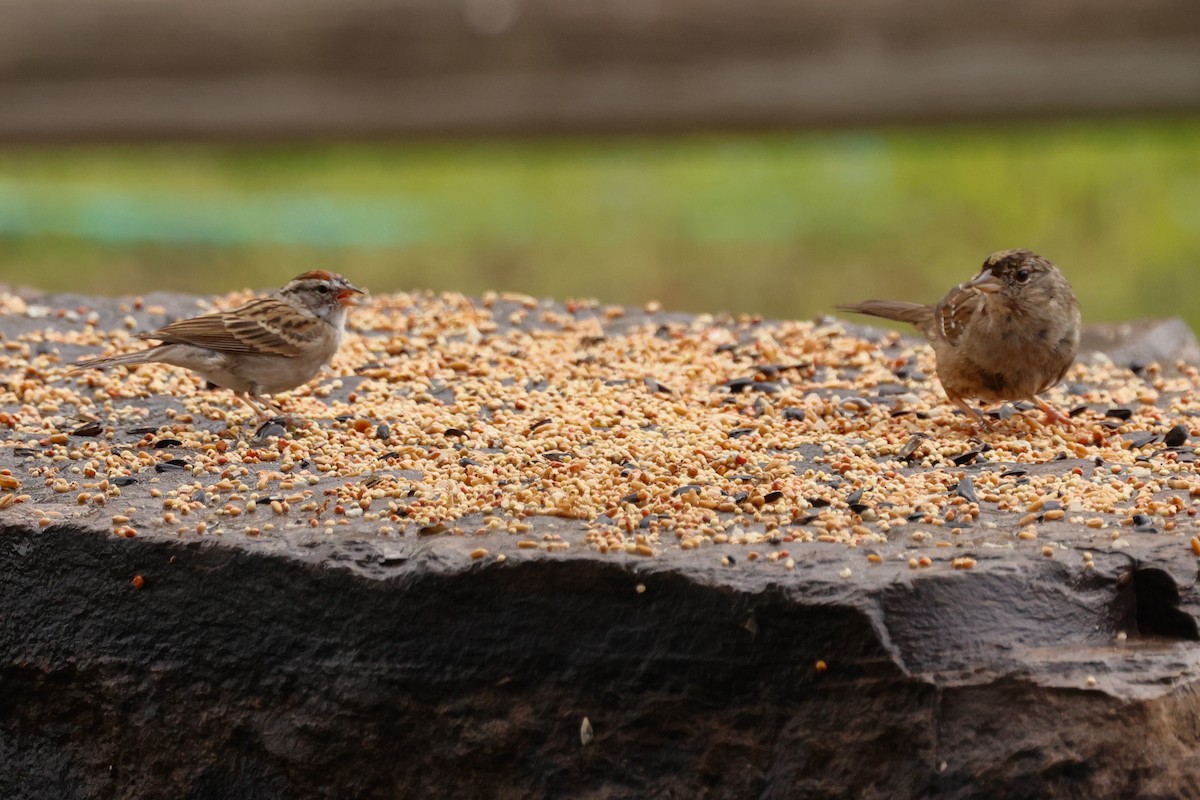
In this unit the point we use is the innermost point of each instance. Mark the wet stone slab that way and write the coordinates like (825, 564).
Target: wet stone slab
(760, 558)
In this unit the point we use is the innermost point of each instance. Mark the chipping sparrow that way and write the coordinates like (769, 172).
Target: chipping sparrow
(268, 345)
(1010, 333)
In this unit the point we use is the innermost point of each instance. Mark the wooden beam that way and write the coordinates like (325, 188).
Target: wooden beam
(115, 69)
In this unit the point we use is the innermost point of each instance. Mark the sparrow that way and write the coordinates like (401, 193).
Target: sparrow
(269, 345)
(1009, 333)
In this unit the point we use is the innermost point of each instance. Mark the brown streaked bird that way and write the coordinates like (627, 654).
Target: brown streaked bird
(269, 345)
(1010, 333)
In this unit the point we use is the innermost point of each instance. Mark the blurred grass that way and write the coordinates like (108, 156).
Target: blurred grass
(784, 225)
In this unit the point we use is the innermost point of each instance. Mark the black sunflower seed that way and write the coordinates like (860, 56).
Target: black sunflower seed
(1137, 440)
(1004, 412)
(1177, 436)
(965, 458)
(910, 447)
(654, 385)
(268, 430)
(93, 428)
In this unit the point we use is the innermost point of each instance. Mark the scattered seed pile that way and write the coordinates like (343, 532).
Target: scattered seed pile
(648, 432)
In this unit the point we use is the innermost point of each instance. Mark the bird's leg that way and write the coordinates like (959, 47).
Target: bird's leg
(271, 404)
(1053, 415)
(973, 413)
(278, 412)
(262, 415)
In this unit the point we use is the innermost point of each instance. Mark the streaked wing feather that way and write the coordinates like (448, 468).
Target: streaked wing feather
(252, 328)
(955, 310)
(207, 331)
(271, 325)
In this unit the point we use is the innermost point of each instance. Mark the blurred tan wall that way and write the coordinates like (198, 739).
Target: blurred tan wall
(72, 69)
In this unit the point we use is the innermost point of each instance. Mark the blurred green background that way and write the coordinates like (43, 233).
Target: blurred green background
(783, 225)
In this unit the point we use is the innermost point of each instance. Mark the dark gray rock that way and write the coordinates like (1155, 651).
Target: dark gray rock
(300, 663)
(329, 670)
(1139, 344)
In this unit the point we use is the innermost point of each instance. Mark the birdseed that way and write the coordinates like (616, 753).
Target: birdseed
(627, 434)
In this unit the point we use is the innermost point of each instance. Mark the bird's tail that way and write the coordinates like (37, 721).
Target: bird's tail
(111, 361)
(913, 313)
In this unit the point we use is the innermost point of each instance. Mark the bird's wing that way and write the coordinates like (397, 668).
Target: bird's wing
(265, 325)
(954, 312)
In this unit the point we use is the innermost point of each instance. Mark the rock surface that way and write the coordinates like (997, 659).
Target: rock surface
(308, 661)
(1136, 344)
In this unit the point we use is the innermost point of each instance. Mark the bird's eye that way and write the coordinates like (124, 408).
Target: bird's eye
(1023, 276)
(322, 288)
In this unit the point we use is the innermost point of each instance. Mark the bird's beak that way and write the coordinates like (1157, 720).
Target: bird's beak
(350, 296)
(984, 282)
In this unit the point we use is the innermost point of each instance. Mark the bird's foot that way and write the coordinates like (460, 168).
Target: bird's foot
(981, 423)
(1053, 415)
